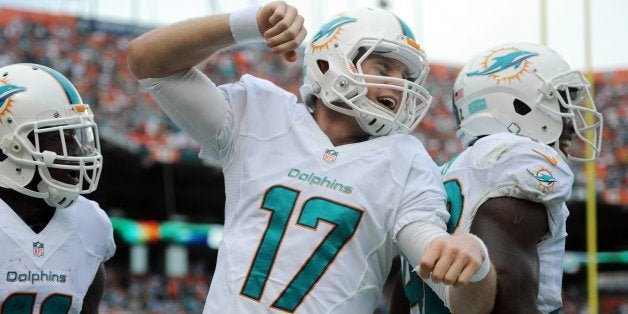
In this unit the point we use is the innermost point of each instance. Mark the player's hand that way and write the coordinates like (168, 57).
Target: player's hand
(452, 260)
(283, 28)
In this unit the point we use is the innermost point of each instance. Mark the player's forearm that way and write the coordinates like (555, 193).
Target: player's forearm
(180, 46)
(476, 297)
(414, 238)
(452, 249)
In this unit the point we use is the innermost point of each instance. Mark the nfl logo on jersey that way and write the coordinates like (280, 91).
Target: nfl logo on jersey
(330, 156)
(38, 249)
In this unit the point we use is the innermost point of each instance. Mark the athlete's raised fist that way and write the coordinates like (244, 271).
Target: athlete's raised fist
(282, 27)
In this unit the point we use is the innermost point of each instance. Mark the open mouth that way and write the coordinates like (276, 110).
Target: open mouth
(388, 102)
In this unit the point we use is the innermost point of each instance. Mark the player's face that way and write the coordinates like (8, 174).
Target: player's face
(52, 142)
(566, 136)
(382, 66)
(568, 128)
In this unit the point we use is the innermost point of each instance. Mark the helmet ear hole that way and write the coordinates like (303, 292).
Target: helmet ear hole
(521, 107)
(359, 54)
(322, 65)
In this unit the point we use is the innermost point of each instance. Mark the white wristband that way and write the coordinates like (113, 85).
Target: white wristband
(414, 238)
(486, 263)
(243, 25)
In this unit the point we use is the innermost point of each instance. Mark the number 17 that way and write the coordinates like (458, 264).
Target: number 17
(280, 202)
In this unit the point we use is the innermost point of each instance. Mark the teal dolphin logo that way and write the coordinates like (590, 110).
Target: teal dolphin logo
(330, 28)
(546, 181)
(543, 177)
(7, 91)
(511, 60)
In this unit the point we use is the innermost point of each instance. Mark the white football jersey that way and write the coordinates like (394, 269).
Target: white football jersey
(309, 227)
(506, 165)
(50, 271)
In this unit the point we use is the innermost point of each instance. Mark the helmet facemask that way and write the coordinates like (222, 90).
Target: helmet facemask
(572, 91)
(65, 152)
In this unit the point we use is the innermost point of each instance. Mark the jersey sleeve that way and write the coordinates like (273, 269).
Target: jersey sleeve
(424, 200)
(551, 255)
(531, 171)
(214, 116)
(256, 108)
(94, 228)
(423, 197)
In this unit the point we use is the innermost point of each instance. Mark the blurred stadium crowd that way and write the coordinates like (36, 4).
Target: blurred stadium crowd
(154, 293)
(92, 55)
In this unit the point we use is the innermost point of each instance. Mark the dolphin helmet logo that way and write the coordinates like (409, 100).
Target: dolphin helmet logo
(330, 31)
(505, 64)
(545, 180)
(6, 92)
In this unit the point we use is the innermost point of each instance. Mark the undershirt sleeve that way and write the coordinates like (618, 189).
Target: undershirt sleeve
(193, 102)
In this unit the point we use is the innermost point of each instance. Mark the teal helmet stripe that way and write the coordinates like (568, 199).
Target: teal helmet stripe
(7, 91)
(406, 29)
(70, 91)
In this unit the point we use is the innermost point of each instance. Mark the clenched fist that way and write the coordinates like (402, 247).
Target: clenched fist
(452, 260)
(282, 27)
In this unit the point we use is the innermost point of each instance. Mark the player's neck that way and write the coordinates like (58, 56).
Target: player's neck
(33, 211)
(341, 129)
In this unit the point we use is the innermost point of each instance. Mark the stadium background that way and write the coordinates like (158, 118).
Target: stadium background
(167, 207)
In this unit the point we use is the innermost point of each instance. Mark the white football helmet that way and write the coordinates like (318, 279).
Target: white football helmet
(332, 70)
(46, 129)
(530, 90)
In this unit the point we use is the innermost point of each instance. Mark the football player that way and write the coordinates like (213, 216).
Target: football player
(53, 240)
(314, 198)
(522, 113)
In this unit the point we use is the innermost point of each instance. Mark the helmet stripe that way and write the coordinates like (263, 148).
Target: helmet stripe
(7, 91)
(406, 30)
(69, 89)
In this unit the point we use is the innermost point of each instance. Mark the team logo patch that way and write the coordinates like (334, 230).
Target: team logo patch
(6, 93)
(38, 249)
(330, 156)
(505, 64)
(330, 32)
(545, 180)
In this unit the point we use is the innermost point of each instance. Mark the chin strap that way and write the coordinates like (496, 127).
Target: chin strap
(54, 198)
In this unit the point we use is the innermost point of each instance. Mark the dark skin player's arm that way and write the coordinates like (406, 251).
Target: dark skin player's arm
(511, 229)
(398, 302)
(95, 292)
